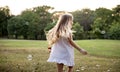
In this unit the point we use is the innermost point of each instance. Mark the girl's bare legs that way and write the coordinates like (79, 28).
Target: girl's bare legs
(60, 67)
(70, 68)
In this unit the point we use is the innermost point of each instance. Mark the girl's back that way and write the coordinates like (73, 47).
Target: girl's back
(62, 52)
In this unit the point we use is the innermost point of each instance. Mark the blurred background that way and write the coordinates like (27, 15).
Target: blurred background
(30, 19)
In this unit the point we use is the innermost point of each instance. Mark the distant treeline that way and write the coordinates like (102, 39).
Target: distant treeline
(33, 23)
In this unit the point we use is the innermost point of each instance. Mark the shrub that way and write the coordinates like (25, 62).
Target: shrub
(114, 31)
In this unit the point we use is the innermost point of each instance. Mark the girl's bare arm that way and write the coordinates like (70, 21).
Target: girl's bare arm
(76, 46)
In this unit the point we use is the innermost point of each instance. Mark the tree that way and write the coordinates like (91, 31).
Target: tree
(98, 27)
(116, 13)
(37, 19)
(50, 26)
(31, 20)
(78, 34)
(84, 17)
(102, 22)
(104, 14)
(114, 31)
(44, 19)
(15, 26)
(4, 16)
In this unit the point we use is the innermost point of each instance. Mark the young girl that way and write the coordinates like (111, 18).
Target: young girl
(61, 43)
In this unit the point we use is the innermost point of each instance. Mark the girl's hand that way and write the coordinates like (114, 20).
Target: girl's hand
(49, 49)
(84, 52)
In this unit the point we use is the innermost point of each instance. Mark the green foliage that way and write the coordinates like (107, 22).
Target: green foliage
(50, 26)
(103, 13)
(116, 13)
(44, 19)
(38, 19)
(4, 16)
(78, 34)
(98, 27)
(34, 22)
(101, 23)
(16, 26)
(84, 17)
(114, 31)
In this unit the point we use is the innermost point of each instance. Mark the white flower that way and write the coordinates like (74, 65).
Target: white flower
(108, 70)
(77, 70)
(82, 68)
(29, 57)
(97, 65)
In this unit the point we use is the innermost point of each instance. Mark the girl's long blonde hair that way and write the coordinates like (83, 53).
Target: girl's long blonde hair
(61, 29)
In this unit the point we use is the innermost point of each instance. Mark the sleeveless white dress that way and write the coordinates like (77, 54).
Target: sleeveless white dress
(62, 52)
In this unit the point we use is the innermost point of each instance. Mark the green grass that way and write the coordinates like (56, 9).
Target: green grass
(104, 56)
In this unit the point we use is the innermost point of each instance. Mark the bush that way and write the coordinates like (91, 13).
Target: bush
(114, 31)
(78, 34)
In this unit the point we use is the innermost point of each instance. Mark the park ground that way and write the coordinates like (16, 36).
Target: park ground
(31, 56)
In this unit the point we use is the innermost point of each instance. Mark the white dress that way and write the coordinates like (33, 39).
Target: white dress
(62, 52)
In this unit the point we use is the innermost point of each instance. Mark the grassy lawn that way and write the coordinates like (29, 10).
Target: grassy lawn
(31, 56)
